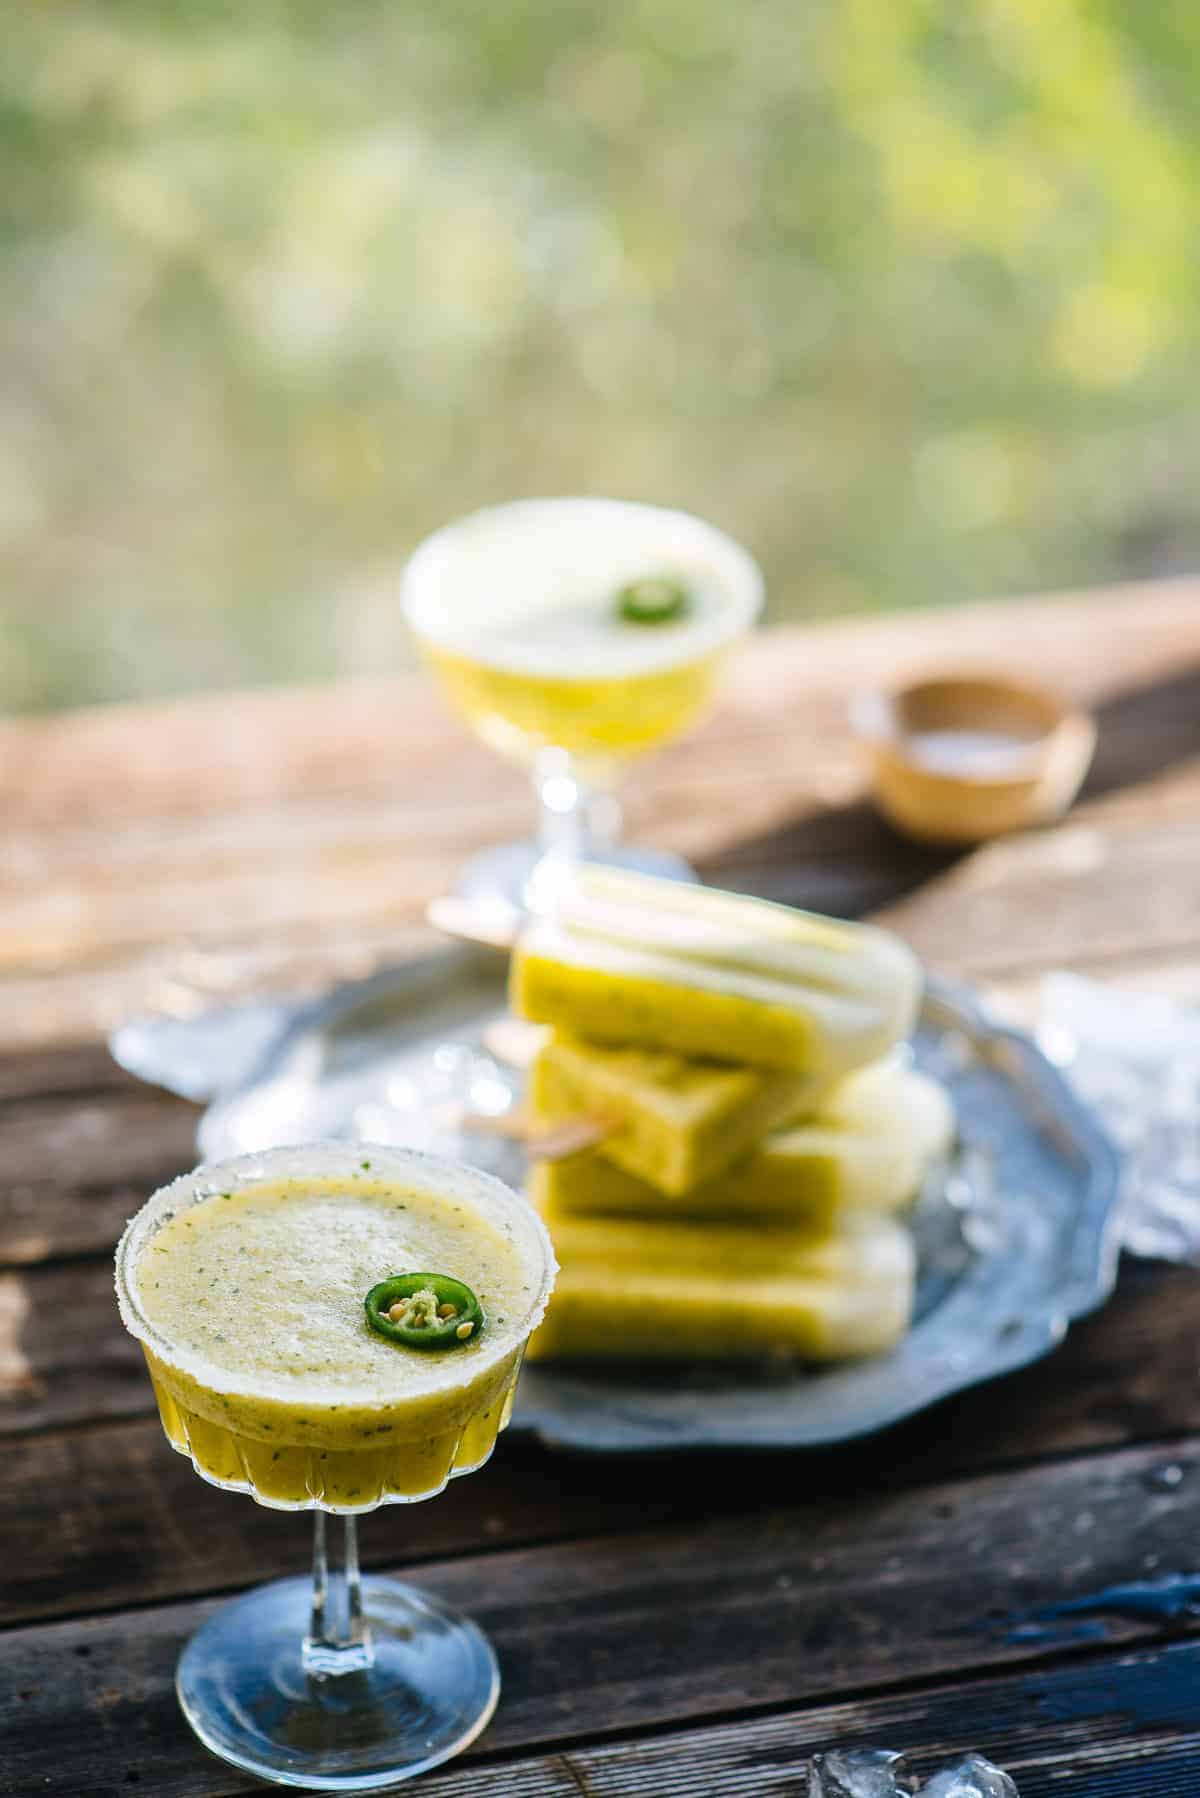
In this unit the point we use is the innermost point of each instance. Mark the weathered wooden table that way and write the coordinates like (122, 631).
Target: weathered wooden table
(667, 1625)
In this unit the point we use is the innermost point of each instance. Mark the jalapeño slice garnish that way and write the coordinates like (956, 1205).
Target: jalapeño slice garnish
(425, 1311)
(655, 599)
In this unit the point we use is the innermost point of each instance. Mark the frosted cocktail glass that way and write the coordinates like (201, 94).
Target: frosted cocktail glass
(574, 635)
(245, 1283)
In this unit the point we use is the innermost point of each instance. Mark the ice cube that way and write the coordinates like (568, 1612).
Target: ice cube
(970, 1777)
(858, 1773)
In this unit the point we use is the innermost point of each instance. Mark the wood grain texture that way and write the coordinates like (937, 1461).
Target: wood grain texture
(298, 835)
(166, 856)
(1082, 891)
(61, 1069)
(1123, 1726)
(73, 1169)
(241, 751)
(61, 1359)
(606, 1637)
(1124, 1376)
(1115, 1728)
(133, 1523)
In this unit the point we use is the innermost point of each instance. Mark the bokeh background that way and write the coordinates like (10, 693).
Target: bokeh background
(902, 292)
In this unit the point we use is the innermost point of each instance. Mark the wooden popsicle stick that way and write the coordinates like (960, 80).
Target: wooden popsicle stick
(554, 1142)
(515, 1124)
(493, 923)
(542, 1142)
(514, 1041)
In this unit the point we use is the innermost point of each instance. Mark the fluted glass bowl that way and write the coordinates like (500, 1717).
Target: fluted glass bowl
(346, 1684)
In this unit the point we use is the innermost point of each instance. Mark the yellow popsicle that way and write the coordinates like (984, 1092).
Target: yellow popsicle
(678, 1122)
(867, 1148)
(629, 959)
(687, 1290)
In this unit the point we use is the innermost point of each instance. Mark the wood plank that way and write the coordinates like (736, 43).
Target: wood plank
(1077, 892)
(61, 1070)
(1068, 897)
(779, 772)
(41, 1010)
(1106, 1729)
(1125, 1376)
(353, 880)
(96, 1140)
(62, 1361)
(75, 1168)
(1088, 1731)
(244, 750)
(318, 823)
(331, 842)
(133, 1523)
(40, 1221)
(825, 871)
(673, 1625)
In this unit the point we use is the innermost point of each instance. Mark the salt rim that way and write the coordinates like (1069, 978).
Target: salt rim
(685, 540)
(434, 1174)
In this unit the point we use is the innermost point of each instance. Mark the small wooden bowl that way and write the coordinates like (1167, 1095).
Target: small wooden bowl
(961, 759)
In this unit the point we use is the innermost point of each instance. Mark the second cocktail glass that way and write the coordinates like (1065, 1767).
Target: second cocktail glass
(574, 635)
(245, 1283)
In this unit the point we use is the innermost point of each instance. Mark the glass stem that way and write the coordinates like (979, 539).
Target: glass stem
(338, 1639)
(579, 818)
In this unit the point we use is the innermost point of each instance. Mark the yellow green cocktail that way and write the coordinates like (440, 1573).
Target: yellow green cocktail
(260, 1290)
(574, 634)
(264, 1370)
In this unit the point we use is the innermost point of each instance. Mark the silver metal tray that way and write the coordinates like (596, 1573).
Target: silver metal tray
(1016, 1235)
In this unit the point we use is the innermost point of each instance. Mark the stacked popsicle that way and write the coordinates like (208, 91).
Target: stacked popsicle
(755, 1126)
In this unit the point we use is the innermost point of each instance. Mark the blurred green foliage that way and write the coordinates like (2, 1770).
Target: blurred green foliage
(902, 292)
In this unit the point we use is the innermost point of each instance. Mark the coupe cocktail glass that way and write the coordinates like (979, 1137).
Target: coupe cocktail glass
(245, 1283)
(518, 610)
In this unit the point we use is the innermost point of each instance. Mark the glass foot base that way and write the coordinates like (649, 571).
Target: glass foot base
(503, 874)
(419, 1691)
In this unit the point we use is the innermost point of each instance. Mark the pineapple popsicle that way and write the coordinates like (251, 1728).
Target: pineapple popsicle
(624, 958)
(867, 1148)
(676, 1122)
(685, 1290)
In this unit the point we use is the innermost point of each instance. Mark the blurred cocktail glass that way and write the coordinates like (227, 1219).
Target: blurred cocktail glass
(574, 635)
(246, 1283)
